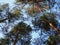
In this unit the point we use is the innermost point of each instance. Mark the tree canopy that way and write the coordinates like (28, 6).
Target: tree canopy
(26, 17)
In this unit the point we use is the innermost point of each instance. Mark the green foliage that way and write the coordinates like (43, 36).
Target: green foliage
(17, 0)
(20, 31)
(23, 1)
(45, 26)
(36, 1)
(14, 15)
(34, 10)
(5, 41)
(22, 28)
(53, 40)
(50, 17)
(16, 12)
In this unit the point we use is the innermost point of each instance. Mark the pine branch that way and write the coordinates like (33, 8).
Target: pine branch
(53, 27)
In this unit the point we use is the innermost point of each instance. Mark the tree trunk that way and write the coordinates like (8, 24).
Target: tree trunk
(15, 41)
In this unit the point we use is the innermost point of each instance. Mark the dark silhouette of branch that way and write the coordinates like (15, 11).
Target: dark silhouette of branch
(8, 18)
(15, 41)
(3, 20)
(52, 26)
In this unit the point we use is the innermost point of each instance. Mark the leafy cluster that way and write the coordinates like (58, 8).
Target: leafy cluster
(45, 19)
(18, 32)
(22, 28)
(53, 40)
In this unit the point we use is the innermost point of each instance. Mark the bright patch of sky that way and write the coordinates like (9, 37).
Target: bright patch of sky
(57, 0)
(10, 2)
(1, 35)
(7, 1)
(35, 35)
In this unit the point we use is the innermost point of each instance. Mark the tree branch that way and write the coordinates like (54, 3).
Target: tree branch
(53, 27)
(3, 20)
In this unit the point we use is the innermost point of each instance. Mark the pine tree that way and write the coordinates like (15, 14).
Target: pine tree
(21, 31)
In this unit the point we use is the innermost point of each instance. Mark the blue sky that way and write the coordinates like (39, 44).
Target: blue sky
(7, 1)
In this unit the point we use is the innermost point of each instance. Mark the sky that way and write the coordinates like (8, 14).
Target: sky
(10, 2)
(7, 1)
